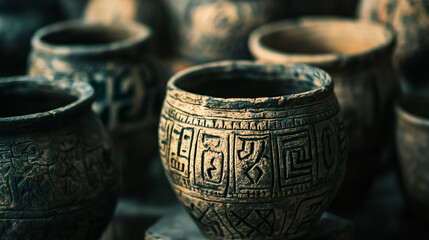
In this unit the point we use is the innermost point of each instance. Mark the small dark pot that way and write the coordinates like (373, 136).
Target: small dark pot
(410, 20)
(18, 21)
(58, 179)
(211, 30)
(358, 57)
(412, 145)
(253, 151)
(112, 59)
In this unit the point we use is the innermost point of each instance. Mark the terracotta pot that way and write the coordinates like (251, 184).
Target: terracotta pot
(18, 21)
(58, 179)
(412, 144)
(410, 19)
(213, 30)
(151, 12)
(253, 151)
(357, 56)
(112, 59)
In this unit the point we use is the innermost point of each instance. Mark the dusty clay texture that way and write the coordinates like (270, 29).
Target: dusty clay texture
(214, 30)
(58, 179)
(410, 20)
(358, 57)
(253, 151)
(112, 59)
(412, 144)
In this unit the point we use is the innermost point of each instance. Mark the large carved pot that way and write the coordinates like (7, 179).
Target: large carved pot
(112, 59)
(58, 179)
(208, 30)
(253, 151)
(18, 21)
(358, 57)
(410, 20)
(412, 145)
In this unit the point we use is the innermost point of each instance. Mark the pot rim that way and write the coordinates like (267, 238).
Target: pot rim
(258, 49)
(83, 92)
(402, 113)
(271, 70)
(139, 34)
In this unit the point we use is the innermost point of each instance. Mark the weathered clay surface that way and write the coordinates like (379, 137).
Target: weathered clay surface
(253, 164)
(410, 20)
(214, 30)
(412, 144)
(58, 179)
(128, 91)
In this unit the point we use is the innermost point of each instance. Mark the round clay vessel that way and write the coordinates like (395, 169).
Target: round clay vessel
(128, 92)
(211, 30)
(412, 145)
(253, 151)
(410, 20)
(18, 21)
(357, 55)
(58, 179)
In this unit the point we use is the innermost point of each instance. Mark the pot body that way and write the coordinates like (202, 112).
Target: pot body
(128, 100)
(215, 30)
(412, 145)
(58, 179)
(410, 20)
(243, 174)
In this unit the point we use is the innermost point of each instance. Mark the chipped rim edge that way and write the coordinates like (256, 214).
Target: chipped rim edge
(83, 92)
(324, 89)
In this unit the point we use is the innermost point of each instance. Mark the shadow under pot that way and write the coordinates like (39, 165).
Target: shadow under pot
(253, 151)
(358, 57)
(112, 59)
(412, 148)
(58, 179)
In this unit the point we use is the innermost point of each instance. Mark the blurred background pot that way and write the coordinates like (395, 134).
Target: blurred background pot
(112, 59)
(211, 30)
(58, 179)
(412, 144)
(358, 57)
(410, 20)
(150, 12)
(18, 21)
(253, 151)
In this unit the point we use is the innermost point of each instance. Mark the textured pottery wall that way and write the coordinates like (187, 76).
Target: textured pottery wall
(58, 179)
(128, 89)
(252, 168)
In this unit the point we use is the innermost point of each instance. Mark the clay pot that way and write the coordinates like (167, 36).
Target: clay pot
(368, 10)
(357, 56)
(253, 151)
(213, 30)
(412, 144)
(150, 12)
(112, 59)
(58, 179)
(410, 20)
(18, 21)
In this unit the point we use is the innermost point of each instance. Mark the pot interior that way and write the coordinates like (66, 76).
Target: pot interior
(417, 105)
(242, 85)
(326, 37)
(86, 35)
(24, 101)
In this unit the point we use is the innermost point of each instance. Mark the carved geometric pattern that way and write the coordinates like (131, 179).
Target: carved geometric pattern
(296, 157)
(253, 162)
(260, 222)
(211, 162)
(180, 150)
(208, 219)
